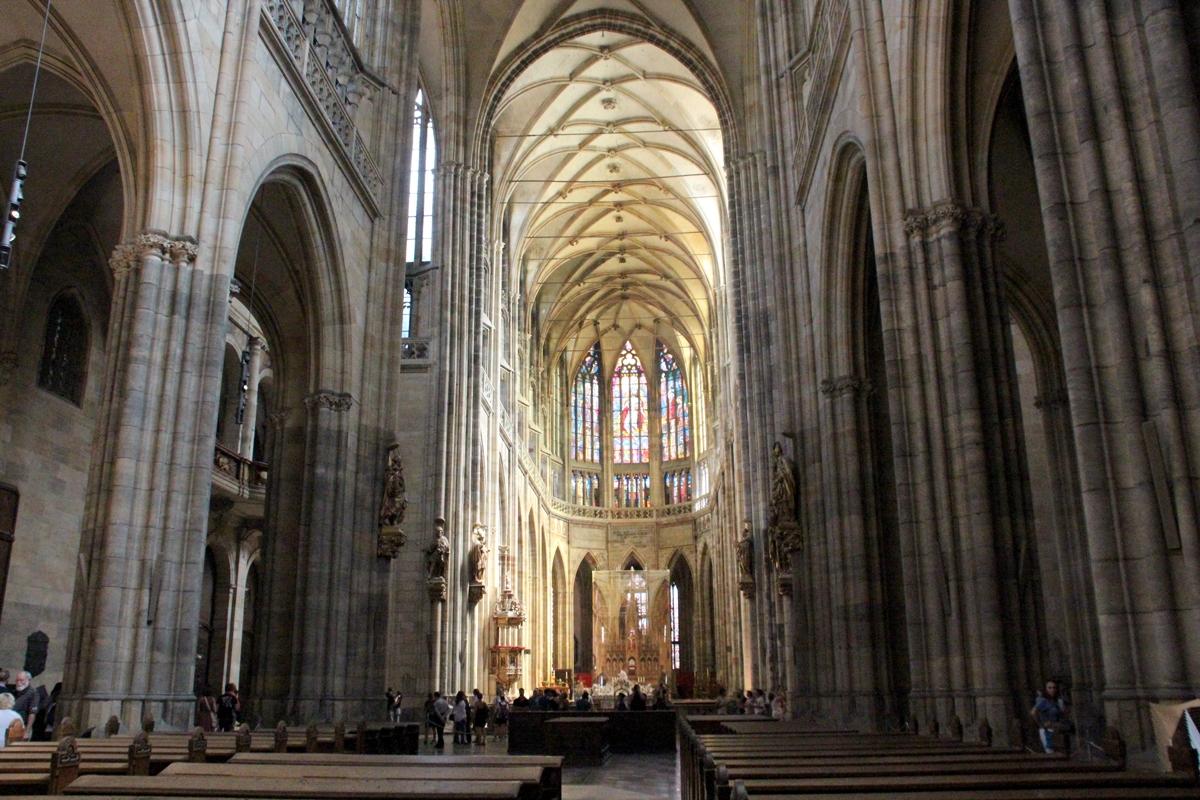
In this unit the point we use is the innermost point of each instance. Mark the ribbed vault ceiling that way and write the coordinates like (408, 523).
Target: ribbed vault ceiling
(610, 169)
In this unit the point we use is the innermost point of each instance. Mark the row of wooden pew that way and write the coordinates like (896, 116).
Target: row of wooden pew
(783, 760)
(51, 767)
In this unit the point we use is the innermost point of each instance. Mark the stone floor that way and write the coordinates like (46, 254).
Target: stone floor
(650, 776)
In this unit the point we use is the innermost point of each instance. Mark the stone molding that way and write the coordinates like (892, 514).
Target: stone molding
(949, 216)
(277, 419)
(1055, 398)
(330, 400)
(179, 250)
(847, 385)
(317, 55)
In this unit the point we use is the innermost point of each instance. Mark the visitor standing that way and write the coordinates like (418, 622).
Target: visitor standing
(26, 697)
(437, 718)
(228, 708)
(500, 711)
(206, 711)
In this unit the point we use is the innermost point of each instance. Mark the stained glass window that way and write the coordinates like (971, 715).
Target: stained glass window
(585, 488)
(65, 350)
(585, 409)
(631, 437)
(673, 405)
(631, 491)
(677, 486)
(420, 186)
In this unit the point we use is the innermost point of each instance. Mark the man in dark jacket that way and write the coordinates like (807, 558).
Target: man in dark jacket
(228, 708)
(26, 697)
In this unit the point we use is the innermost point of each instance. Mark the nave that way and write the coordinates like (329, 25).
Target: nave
(628, 352)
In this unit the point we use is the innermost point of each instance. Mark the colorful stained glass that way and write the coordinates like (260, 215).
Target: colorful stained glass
(677, 486)
(631, 491)
(631, 437)
(585, 488)
(585, 409)
(673, 406)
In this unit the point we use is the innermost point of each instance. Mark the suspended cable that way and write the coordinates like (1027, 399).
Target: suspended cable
(20, 170)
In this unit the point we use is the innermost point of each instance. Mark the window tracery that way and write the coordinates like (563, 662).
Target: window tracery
(585, 409)
(631, 438)
(673, 408)
(64, 352)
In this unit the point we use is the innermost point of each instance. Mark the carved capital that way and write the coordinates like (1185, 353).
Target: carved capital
(847, 384)
(332, 401)
(1055, 398)
(178, 250)
(277, 419)
(785, 583)
(182, 250)
(940, 219)
(747, 587)
(475, 593)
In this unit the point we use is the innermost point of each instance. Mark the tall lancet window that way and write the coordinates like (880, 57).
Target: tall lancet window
(631, 436)
(420, 187)
(673, 406)
(585, 408)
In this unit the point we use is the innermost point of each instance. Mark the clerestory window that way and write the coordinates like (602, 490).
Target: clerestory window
(420, 187)
(631, 436)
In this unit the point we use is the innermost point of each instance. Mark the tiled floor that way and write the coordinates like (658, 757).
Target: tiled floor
(625, 777)
(653, 776)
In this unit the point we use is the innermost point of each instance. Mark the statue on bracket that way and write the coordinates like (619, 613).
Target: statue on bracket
(437, 558)
(478, 563)
(745, 557)
(395, 502)
(783, 529)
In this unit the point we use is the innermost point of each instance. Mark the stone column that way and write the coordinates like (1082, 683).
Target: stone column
(250, 413)
(1114, 120)
(135, 617)
(325, 559)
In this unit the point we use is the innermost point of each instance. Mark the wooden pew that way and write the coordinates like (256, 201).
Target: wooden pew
(299, 788)
(63, 770)
(791, 764)
(551, 766)
(531, 777)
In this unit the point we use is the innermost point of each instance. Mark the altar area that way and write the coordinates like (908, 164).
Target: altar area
(631, 630)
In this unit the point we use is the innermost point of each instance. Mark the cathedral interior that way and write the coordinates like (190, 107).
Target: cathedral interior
(840, 348)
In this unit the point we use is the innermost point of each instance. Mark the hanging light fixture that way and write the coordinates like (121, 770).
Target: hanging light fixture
(17, 193)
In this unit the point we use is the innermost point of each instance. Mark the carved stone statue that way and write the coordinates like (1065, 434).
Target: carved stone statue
(479, 553)
(745, 552)
(395, 502)
(783, 529)
(745, 557)
(783, 488)
(391, 511)
(437, 555)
